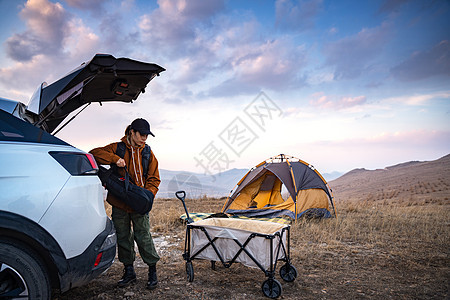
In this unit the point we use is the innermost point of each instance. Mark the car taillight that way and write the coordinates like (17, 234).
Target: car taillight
(98, 259)
(76, 163)
(92, 161)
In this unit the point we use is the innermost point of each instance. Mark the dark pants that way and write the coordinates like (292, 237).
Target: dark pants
(126, 235)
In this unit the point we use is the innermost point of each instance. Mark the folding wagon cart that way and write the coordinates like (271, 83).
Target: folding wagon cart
(257, 244)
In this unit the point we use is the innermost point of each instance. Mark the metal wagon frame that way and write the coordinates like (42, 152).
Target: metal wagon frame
(271, 287)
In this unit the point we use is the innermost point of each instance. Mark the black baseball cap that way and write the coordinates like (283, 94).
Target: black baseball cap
(142, 126)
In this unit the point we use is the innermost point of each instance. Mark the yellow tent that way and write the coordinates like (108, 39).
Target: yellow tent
(259, 192)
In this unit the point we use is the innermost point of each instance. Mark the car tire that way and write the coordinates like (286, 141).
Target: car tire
(22, 273)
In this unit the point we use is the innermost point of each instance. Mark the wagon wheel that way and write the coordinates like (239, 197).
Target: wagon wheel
(288, 272)
(189, 271)
(271, 288)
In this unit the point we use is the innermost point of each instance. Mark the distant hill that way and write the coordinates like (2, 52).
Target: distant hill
(411, 182)
(331, 176)
(198, 185)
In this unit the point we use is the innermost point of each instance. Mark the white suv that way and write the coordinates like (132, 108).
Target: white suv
(54, 232)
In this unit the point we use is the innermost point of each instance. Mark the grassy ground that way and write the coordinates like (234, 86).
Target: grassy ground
(370, 251)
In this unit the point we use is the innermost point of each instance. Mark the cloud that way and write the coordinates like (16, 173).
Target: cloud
(333, 30)
(92, 5)
(113, 35)
(172, 28)
(337, 103)
(230, 87)
(81, 44)
(398, 6)
(316, 78)
(299, 113)
(46, 30)
(352, 55)
(26, 76)
(78, 46)
(425, 64)
(193, 69)
(200, 40)
(23, 46)
(117, 25)
(275, 65)
(296, 15)
(391, 5)
(420, 99)
(242, 61)
(194, 9)
(271, 64)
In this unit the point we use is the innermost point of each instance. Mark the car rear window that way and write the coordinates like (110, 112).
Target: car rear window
(17, 130)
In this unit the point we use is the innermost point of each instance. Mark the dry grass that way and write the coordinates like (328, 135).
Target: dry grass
(382, 250)
(420, 230)
(373, 250)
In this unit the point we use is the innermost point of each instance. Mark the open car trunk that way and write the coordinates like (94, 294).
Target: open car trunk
(104, 78)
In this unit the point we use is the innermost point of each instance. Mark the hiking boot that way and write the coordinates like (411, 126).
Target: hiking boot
(129, 276)
(152, 279)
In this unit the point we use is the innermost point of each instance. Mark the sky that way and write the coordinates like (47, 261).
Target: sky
(338, 84)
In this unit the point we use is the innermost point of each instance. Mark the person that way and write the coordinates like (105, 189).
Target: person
(122, 215)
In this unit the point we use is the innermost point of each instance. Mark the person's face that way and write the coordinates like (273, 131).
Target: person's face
(137, 138)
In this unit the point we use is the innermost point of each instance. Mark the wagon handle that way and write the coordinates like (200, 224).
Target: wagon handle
(181, 195)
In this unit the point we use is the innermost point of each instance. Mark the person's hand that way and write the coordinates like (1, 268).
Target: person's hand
(121, 163)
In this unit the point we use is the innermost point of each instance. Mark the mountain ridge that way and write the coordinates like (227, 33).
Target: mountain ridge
(413, 181)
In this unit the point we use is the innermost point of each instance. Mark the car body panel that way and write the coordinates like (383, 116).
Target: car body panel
(79, 210)
(30, 179)
(47, 194)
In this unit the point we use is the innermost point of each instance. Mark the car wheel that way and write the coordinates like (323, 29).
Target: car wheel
(22, 274)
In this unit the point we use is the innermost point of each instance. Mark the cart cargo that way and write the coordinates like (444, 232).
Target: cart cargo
(262, 248)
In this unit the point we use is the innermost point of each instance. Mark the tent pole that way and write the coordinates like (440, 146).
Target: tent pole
(331, 192)
(225, 206)
(295, 189)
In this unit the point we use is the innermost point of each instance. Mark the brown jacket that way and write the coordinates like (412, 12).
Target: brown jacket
(133, 159)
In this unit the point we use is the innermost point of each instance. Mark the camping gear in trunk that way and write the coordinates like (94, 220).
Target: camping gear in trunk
(256, 244)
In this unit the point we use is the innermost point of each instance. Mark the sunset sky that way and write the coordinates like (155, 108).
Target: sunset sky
(339, 84)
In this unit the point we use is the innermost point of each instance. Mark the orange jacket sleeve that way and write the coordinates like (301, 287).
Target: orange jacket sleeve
(106, 155)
